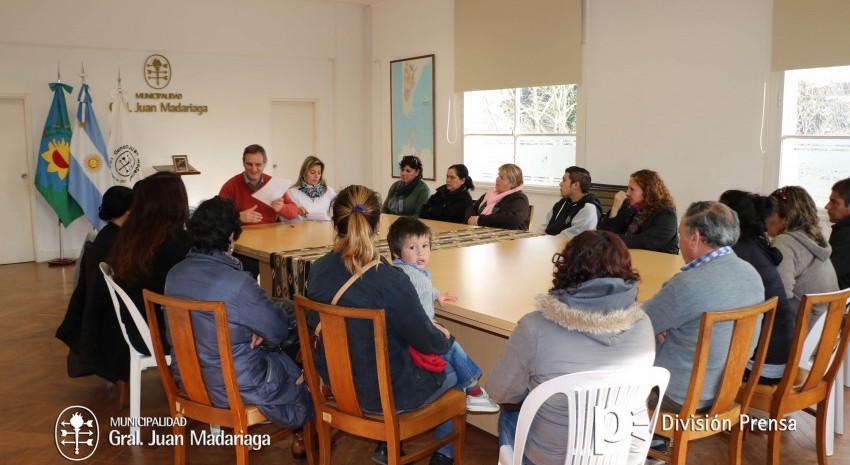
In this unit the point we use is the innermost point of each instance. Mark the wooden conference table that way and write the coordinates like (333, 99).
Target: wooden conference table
(496, 282)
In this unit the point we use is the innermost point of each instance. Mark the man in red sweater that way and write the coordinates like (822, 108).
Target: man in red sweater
(240, 188)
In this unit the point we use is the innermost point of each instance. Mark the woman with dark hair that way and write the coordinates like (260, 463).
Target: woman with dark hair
(805, 267)
(151, 241)
(90, 328)
(753, 247)
(310, 192)
(267, 378)
(375, 283)
(452, 199)
(408, 194)
(589, 320)
(645, 215)
(505, 205)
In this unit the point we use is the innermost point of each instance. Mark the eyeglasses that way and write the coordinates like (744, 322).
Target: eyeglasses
(558, 258)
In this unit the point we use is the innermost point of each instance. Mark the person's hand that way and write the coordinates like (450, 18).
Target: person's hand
(277, 204)
(250, 215)
(442, 329)
(446, 297)
(619, 200)
(661, 337)
(473, 220)
(302, 211)
(255, 340)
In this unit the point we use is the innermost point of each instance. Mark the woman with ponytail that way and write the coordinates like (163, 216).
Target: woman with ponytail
(805, 267)
(356, 214)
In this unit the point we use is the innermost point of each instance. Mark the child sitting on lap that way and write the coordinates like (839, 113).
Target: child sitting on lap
(410, 244)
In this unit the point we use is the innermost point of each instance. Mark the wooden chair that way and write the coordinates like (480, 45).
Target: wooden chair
(530, 218)
(139, 362)
(799, 388)
(599, 402)
(342, 412)
(726, 411)
(193, 401)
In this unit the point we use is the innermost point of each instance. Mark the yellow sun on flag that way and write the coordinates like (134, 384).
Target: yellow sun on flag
(57, 155)
(94, 162)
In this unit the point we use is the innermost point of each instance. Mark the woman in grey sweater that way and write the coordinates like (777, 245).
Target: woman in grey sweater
(805, 266)
(589, 320)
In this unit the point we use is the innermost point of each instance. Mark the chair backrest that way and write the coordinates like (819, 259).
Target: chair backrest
(334, 339)
(607, 409)
(744, 323)
(194, 401)
(116, 293)
(820, 349)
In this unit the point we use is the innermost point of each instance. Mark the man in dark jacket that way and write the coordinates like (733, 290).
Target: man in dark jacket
(578, 210)
(838, 209)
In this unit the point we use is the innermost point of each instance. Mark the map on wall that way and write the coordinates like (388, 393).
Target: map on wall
(412, 112)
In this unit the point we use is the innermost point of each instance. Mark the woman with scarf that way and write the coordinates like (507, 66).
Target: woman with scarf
(589, 320)
(452, 199)
(505, 205)
(407, 195)
(310, 192)
(645, 215)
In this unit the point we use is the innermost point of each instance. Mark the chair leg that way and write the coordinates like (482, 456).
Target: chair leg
(773, 439)
(325, 442)
(135, 391)
(242, 455)
(679, 454)
(822, 429)
(311, 443)
(180, 446)
(736, 443)
(393, 451)
(838, 389)
(460, 429)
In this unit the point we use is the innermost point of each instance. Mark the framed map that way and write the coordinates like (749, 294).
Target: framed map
(412, 112)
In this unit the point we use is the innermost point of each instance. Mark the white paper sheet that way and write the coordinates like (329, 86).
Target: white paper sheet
(317, 216)
(272, 190)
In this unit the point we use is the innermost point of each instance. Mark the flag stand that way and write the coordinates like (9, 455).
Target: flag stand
(61, 261)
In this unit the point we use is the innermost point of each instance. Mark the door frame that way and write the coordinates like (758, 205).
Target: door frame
(30, 152)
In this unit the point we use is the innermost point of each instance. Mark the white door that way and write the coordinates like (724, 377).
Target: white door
(293, 136)
(15, 183)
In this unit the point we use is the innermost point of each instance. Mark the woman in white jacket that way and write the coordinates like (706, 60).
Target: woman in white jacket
(589, 320)
(311, 193)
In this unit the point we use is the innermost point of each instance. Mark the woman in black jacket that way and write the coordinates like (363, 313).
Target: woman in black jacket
(645, 215)
(452, 199)
(754, 248)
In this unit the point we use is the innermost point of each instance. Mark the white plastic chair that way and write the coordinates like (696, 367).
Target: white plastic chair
(138, 362)
(603, 417)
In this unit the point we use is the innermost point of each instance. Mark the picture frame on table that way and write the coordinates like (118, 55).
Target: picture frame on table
(181, 163)
(412, 113)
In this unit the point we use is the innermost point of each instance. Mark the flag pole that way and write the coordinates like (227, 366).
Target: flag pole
(61, 261)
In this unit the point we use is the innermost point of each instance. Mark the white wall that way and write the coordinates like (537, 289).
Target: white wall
(233, 56)
(670, 86)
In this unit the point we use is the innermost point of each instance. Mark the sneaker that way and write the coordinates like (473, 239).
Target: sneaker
(440, 459)
(481, 403)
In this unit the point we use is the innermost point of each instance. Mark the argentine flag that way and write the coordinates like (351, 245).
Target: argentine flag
(89, 175)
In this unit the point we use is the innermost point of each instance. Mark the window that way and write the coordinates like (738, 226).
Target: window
(533, 127)
(815, 149)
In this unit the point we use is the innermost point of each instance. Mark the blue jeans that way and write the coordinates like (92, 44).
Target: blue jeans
(446, 428)
(507, 428)
(466, 370)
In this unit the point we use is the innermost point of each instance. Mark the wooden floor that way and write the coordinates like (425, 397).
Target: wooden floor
(34, 389)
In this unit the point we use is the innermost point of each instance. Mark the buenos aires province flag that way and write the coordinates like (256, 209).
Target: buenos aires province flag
(89, 175)
(51, 169)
